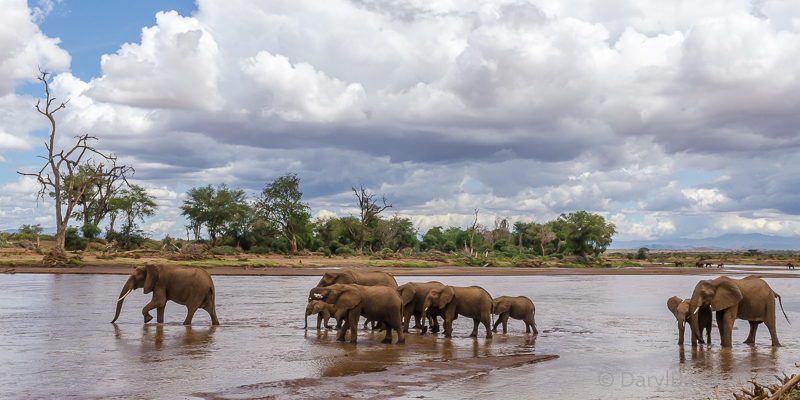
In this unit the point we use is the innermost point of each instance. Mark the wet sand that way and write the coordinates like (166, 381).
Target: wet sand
(392, 382)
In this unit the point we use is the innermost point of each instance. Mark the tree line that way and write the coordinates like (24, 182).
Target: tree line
(278, 221)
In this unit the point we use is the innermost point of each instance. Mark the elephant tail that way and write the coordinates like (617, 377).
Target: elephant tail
(784, 312)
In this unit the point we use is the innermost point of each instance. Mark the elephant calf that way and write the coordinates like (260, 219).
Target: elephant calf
(472, 302)
(680, 309)
(378, 303)
(521, 308)
(324, 312)
(188, 286)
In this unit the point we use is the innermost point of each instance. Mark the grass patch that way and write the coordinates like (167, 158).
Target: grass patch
(628, 264)
(402, 264)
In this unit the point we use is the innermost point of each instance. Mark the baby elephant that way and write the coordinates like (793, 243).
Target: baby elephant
(324, 312)
(521, 308)
(680, 308)
(378, 303)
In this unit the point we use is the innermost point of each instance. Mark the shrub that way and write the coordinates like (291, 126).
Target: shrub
(388, 250)
(225, 251)
(342, 250)
(90, 231)
(72, 241)
(630, 256)
(449, 246)
(31, 237)
(259, 250)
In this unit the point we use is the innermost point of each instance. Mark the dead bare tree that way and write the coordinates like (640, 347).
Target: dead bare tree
(472, 232)
(370, 211)
(546, 236)
(64, 165)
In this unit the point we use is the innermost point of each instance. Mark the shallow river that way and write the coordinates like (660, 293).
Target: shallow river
(614, 335)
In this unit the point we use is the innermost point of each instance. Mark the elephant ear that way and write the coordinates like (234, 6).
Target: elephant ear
(348, 298)
(407, 293)
(727, 294)
(502, 306)
(152, 278)
(318, 307)
(346, 278)
(446, 296)
(673, 303)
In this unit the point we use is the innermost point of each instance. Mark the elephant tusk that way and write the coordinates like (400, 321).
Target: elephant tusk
(125, 295)
(696, 310)
(425, 310)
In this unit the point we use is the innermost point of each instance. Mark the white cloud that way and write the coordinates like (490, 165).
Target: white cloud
(176, 66)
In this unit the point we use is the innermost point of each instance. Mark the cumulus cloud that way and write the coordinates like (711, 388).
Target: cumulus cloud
(176, 66)
(671, 118)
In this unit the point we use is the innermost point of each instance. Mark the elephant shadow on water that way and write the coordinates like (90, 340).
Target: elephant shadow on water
(183, 339)
(726, 360)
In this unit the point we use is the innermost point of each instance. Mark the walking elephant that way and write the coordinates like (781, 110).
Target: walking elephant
(521, 308)
(680, 309)
(750, 299)
(355, 277)
(324, 312)
(472, 302)
(188, 286)
(378, 303)
(414, 295)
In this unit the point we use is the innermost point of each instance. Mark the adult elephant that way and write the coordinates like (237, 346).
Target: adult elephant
(378, 303)
(188, 286)
(324, 312)
(414, 295)
(680, 309)
(520, 307)
(472, 302)
(750, 299)
(355, 277)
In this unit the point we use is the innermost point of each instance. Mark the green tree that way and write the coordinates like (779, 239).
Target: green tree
(433, 239)
(280, 205)
(134, 204)
(31, 229)
(587, 233)
(214, 209)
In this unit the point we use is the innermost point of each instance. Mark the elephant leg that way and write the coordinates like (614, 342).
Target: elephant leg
(751, 338)
(531, 325)
(475, 323)
(494, 327)
(319, 320)
(151, 305)
(773, 333)
(354, 315)
(435, 326)
(487, 322)
(726, 328)
(189, 314)
(407, 311)
(212, 311)
(504, 317)
(160, 314)
(343, 331)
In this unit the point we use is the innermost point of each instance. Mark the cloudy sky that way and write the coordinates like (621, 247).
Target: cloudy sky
(671, 118)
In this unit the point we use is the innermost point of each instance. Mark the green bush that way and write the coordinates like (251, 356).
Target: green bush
(31, 237)
(90, 231)
(630, 256)
(449, 246)
(224, 251)
(388, 251)
(342, 250)
(259, 250)
(72, 241)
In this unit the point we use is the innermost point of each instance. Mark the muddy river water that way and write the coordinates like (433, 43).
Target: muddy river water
(614, 335)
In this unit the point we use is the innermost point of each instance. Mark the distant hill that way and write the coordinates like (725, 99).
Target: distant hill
(732, 241)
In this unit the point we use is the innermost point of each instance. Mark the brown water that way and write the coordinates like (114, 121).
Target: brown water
(614, 334)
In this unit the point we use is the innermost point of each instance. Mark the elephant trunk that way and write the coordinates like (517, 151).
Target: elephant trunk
(125, 291)
(694, 323)
(423, 318)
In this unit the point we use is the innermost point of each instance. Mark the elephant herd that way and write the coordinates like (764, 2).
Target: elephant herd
(350, 294)
(749, 298)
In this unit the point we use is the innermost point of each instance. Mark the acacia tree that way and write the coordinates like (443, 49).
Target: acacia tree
(280, 205)
(215, 209)
(134, 204)
(58, 173)
(369, 213)
(587, 233)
